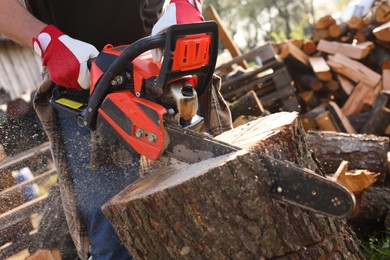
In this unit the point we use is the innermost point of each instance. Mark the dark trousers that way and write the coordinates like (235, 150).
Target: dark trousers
(94, 188)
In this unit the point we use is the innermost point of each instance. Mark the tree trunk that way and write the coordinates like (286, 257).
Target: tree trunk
(367, 152)
(222, 209)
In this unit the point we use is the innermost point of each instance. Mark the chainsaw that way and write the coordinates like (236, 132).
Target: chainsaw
(153, 108)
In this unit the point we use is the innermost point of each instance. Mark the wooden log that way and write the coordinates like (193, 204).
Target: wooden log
(309, 47)
(290, 50)
(357, 23)
(379, 14)
(380, 116)
(364, 34)
(309, 99)
(340, 118)
(382, 32)
(248, 105)
(320, 35)
(346, 84)
(372, 210)
(356, 101)
(337, 30)
(333, 85)
(353, 70)
(221, 208)
(332, 148)
(320, 68)
(309, 82)
(356, 51)
(324, 22)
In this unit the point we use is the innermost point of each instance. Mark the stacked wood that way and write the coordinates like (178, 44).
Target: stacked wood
(221, 208)
(348, 68)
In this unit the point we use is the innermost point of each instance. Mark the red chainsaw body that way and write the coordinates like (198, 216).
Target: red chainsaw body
(139, 121)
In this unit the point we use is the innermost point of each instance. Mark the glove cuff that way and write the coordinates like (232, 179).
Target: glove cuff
(44, 38)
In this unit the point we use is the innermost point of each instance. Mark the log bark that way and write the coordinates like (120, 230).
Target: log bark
(332, 148)
(221, 208)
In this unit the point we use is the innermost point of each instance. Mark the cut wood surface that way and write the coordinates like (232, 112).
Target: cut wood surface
(386, 75)
(382, 32)
(324, 22)
(356, 100)
(221, 208)
(346, 84)
(320, 68)
(293, 51)
(353, 70)
(357, 23)
(354, 51)
(337, 30)
(332, 148)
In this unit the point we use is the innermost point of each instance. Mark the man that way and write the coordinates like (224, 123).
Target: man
(66, 34)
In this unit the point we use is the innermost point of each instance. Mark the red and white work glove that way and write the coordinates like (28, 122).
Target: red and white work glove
(65, 57)
(177, 12)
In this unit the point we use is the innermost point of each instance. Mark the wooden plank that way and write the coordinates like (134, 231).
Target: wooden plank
(264, 54)
(18, 160)
(354, 51)
(224, 35)
(353, 70)
(20, 186)
(320, 68)
(19, 213)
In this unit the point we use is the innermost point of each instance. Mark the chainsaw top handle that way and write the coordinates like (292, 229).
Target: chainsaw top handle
(189, 49)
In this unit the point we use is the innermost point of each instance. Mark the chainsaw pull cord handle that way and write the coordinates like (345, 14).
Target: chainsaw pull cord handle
(131, 52)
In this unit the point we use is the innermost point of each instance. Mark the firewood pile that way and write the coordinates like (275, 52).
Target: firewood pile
(339, 82)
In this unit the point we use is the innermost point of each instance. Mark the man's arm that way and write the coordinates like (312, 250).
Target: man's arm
(17, 23)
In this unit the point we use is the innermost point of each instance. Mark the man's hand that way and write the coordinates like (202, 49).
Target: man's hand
(65, 57)
(177, 12)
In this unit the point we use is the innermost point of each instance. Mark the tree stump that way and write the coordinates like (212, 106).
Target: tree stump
(222, 209)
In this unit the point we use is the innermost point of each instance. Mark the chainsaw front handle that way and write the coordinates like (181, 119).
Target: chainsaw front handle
(168, 72)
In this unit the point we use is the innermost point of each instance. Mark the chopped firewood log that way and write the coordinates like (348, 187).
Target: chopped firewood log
(379, 14)
(297, 42)
(353, 70)
(354, 51)
(320, 35)
(310, 99)
(331, 148)
(356, 181)
(364, 34)
(346, 84)
(309, 47)
(337, 30)
(380, 116)
(356, 23)
(291, 50)
(386, 75)
(320, 68)
(215, 208)
(356, 101)
(324, 22)
(342, 119)
(326, 123)
(247, 105)
(382, 32)
(332, 85)
(308, 119)
(309, 82)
